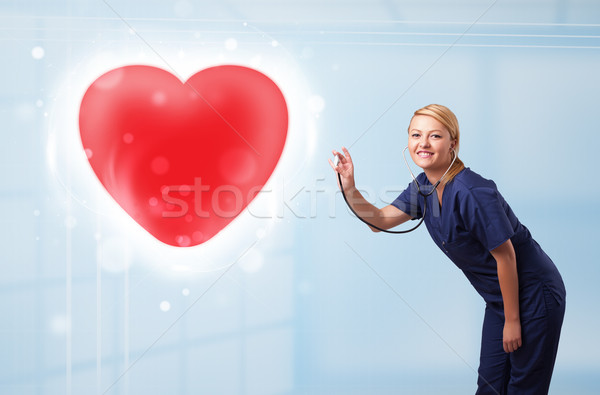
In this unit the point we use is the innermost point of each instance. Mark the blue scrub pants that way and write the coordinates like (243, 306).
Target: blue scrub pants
(529, 369)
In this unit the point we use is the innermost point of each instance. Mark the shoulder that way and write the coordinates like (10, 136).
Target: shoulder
(471, 188)
(469, 181)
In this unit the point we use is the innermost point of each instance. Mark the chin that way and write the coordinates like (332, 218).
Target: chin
(423, 163)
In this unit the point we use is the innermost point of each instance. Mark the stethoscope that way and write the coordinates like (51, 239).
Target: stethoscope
(425, 195)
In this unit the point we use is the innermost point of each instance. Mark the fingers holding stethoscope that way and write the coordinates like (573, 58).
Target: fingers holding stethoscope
(342, 164)
(341, 161)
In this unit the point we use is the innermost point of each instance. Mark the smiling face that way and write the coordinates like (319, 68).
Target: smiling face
(430, 145)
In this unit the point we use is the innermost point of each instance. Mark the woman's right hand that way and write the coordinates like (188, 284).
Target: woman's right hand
(345, 168)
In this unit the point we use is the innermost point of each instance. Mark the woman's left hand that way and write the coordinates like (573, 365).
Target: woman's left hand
(511, 338)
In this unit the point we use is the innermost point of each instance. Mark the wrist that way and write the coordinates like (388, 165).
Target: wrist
(350, 188)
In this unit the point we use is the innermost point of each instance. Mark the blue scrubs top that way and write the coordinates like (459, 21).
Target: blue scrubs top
(475, 219)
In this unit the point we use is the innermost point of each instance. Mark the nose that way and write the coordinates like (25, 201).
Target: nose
(423, 142)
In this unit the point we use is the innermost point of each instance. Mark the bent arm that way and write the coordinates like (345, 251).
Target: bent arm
(506, 262)
(385, 218)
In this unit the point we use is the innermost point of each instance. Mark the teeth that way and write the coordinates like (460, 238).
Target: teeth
(424, 154)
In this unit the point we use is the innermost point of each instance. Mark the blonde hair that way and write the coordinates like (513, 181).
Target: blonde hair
(448, 119)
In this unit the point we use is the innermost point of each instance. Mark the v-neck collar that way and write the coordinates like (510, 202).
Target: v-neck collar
(437, 207)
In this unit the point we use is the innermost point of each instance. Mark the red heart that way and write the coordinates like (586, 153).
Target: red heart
(183, 159)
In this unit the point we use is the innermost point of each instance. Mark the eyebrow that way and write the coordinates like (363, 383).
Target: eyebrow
(433, 130)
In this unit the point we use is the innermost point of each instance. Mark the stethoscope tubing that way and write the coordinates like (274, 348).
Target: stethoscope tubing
(375, 226)
(418, 189)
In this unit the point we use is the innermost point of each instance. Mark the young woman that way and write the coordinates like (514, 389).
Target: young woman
(474, 226)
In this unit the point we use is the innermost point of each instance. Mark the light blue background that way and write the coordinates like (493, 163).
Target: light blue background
(334, 308)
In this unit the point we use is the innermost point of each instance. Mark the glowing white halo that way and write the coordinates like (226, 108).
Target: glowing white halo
(70, 169)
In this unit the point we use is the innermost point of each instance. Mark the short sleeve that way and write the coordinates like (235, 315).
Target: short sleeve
(484, 213)
(408, 202)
